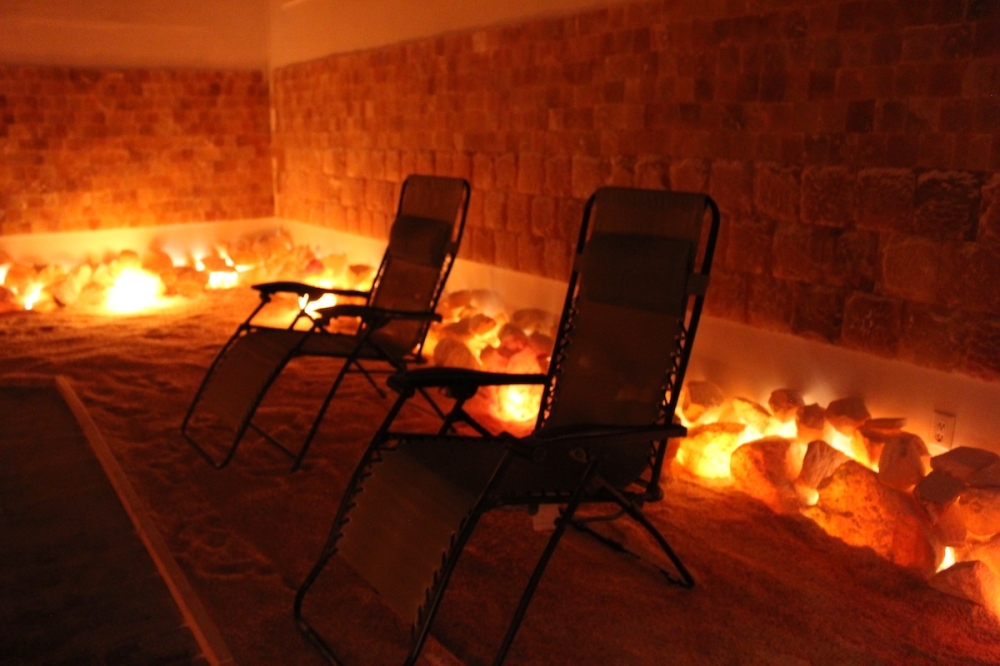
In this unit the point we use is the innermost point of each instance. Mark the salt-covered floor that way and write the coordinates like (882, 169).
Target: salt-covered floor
(771, 589)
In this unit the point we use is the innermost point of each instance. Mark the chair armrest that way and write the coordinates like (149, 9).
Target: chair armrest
(268, 289)
(376, 316)
(457, 378)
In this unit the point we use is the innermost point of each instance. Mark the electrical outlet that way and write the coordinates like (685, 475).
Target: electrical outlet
(943, 431)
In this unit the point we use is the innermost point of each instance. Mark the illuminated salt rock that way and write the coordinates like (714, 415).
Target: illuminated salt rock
(157, 261)
(472, 301)
(936, 492)
(981, 510)
(752, 413)
(785, 404)
(20, 278)
(885, 424)
(468, 327)
(904, 461)
(188, 282)
(847, 414)
(964, 461)
(698, 398)
(8, 300)
(760, 469)
(861, 511)
(867, 444)
(512, 340)
(541, 344)
(453, 353)
(810, 420)
(707, 448)
(67, 291)
(949, 528)
(987, 477)
(987, 552)
(973, 581)
(532, 320)
(821, 460)
(360, 274)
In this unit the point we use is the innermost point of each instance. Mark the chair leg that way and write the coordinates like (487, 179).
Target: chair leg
(566, 516)
(322, 412)
(685, 580)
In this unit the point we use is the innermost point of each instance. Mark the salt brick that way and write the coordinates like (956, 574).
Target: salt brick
(748, 247)
(777, 192)
(731, 185)
(770, 303)
(968, 276)
(818, 312)
(885, 198)
(727, 296)
(947, 204)
(909, 267)
(587, 175)
(828, 195)
(530, 173)
(934, 336)
(801, 252)
(872, 324)
(983, 349)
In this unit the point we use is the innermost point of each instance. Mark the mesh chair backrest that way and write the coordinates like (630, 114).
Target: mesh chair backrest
(422, 245)
(624, 336)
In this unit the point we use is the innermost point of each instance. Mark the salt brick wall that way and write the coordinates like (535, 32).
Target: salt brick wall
(95, 149)
(853, 147)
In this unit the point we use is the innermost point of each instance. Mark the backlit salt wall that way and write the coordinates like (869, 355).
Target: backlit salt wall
(854, 148)
(104, 148)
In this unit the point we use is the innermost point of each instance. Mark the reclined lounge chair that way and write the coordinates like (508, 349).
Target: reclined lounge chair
(631, 313)
(394, 320)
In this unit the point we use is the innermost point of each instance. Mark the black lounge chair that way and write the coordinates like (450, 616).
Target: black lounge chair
(394, 320)
(635, 297)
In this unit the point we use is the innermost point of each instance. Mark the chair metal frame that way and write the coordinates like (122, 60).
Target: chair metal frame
(591, 447)
(366, 346)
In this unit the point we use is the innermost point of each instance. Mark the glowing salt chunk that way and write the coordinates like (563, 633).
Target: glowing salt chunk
(133, 290)
(222, 280)
(3, 272)
(324, 301)
(33, 295)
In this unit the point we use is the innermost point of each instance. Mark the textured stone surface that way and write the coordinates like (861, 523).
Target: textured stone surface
(856, 507)
(100, 148)
(981, 509)
(820, 462)
(785, 404)
(872, 324)
(847, 414)
(973, 581)
(904, 461)
(909, 266)
(964, 461)
(760, 469)
(700, 397)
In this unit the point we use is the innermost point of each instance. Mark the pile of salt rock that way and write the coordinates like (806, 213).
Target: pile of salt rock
(889, 494)
(248, 260)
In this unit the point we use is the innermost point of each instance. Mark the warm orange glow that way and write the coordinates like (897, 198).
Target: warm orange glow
(948, 559)
(222, 280)
(3, 273)
(133, 290)
(33, 295)
(518, 403)
(324, 301)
